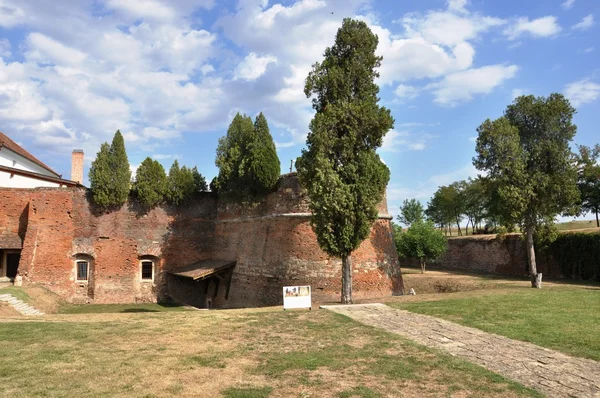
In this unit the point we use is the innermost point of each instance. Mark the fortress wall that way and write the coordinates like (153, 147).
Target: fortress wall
(272, 243)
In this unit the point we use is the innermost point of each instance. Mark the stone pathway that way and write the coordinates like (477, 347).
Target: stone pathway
(548, 371)
(22, 307)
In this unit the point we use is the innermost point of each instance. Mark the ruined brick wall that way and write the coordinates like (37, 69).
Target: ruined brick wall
(505, 256)
(271, 241)
(275, 246)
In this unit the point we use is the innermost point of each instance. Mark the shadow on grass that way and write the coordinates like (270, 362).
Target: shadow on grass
(121, 308)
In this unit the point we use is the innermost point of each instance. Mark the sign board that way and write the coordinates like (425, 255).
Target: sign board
(296, 297)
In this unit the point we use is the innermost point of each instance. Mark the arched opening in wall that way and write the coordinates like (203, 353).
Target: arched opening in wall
(83, 270)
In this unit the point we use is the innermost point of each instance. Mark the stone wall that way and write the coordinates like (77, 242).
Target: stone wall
(271, 241)
(504, 256)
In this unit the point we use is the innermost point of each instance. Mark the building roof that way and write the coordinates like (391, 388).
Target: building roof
(202, 269)
(16, 148)
(39, 176)
(10, 241)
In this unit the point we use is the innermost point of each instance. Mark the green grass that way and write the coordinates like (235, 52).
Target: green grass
(116, 308)
(250, 353)
(16, 292)
(564, 319)
(234, 392)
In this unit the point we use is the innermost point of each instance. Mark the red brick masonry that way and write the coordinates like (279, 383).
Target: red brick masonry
(272, 243)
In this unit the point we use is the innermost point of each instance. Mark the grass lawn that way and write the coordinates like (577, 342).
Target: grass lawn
(16, 292)
(566, 319)
(236, 353)
(115, 308)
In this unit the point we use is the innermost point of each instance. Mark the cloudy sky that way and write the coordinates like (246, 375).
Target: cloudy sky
(171, 74)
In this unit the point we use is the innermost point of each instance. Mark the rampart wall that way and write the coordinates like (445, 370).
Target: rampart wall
(272, 243)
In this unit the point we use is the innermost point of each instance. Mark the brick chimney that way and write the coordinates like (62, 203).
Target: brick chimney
(77, 166)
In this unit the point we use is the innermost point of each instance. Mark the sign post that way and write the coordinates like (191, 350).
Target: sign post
(297, 297)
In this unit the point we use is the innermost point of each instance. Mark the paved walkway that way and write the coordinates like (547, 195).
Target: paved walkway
(21, 306)
(550, 372)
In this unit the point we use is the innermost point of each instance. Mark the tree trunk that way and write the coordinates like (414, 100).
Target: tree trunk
(422, 265)
(347, 280)
(536, 279)
(458, 226)
(597, 222)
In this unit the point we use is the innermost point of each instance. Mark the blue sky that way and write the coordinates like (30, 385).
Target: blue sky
(171, 74)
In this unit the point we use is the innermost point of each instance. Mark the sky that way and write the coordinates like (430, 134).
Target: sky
(172, 74)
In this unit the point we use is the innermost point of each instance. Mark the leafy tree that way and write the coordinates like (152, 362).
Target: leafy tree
(341, 170)
(100, 177)
(150, 184)
(411, 212)
(263, 164)
(447, 205)
(199, 181)
(247, 158)
(476, 202)
(110, 176)
(180, 184)
(526, 152)
(423, 241)
(589, 179)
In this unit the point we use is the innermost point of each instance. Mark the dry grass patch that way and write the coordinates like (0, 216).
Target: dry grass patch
(238, 353)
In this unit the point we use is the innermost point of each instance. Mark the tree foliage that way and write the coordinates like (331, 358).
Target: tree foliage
(110, 176)
(423, 241)
(247, 158)
(199, 181)
(588, 170)
(526, 152)
(340, 169)
(150, 184)
(181, 185)
(411, 212)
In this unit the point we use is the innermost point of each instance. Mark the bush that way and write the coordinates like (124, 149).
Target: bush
(578, 255)
(150, 184)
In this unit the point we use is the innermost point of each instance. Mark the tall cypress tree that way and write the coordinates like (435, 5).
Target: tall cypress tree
(100, 177)
(263, 163)
(341, 170)
(121, 173)
(150, 183)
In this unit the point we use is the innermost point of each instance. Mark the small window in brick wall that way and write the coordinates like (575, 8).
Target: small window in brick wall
(147, 270)
(82, 270)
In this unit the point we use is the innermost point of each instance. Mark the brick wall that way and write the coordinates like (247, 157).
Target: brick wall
(271, 241)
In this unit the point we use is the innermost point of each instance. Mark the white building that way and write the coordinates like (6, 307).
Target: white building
(20, 169)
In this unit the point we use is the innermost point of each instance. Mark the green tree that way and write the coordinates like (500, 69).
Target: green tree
(527, 153)
(411, 212)
(199, 181)
(423, 241)
(447, 206)
(180, 184)
(476, 202)
(110, 176)
(100, 177)
(263, 164)
(341, 171)
(150, 184)
(589, 179)
(247, 158)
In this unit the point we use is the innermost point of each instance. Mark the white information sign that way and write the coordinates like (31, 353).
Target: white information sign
(296, 297)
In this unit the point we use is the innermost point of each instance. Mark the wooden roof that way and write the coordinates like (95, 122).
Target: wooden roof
(10, 241)
(202, 269)
(16, 148)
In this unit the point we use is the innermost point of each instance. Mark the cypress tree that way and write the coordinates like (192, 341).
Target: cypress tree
(180, 184)
(199, 180)
(247, 158)
(344, 176)
(121, 174)
(263, 164)
(150, 183)
(100, 177)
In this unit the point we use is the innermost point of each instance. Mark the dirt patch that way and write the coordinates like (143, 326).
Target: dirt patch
(7, 311)
(43, 299)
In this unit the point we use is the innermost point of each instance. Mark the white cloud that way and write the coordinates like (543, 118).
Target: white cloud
(582, 92)
(517, 92)
(463, 86)
(568, 4)
(586, 23)
(5, 48)
(541, 27)
(399, 141)
(457, 5)
(253, 66)
(43, 49)
(406, 91)
(589, 50)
